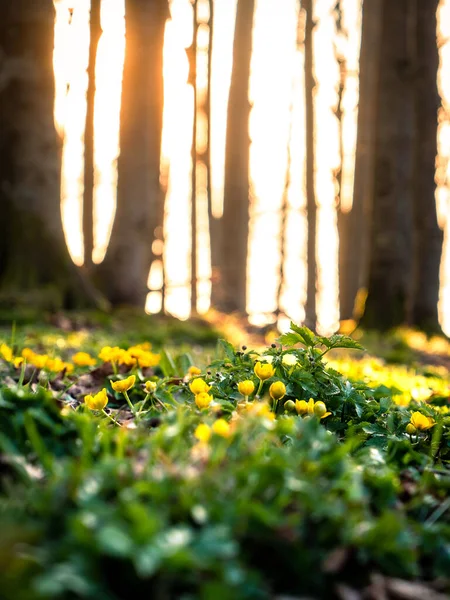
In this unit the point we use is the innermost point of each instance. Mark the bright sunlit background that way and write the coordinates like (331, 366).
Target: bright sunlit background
(277, 154)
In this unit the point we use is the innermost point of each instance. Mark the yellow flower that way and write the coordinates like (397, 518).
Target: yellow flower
(199, 386)
(6, 352)
(124, 385)
(260, 409)
(97, 402)
(320, 410)
(203, 433)
(411, 429)
(264, 371)
(39, 360)
(221, 427)
(301, 406)
(55, 364)
(277, 390)
(83, 359)
(246, 388)
(289, 360)
(192, 371)
(203, 400)
(150, 386)
(18, 361)
(421, 422)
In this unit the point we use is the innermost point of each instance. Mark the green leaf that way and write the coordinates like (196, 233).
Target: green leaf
(228, 349)
(167, 364)
(290, 339)
(307, 336)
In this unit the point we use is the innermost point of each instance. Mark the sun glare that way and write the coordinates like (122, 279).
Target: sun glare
(277, 153)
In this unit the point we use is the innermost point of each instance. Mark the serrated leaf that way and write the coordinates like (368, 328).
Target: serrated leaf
(307, 336)
(228, 349)
(290, 339)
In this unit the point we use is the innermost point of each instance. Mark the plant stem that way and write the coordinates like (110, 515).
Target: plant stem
(111, 418)
(130, 404)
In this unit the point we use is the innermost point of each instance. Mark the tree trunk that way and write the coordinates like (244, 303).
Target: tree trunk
(35, 266)
(428, 237)
(215, 229)
(89, 164)
(193, 81)
(391, 235)
(354, 226)
(140, 204)
(310, 83)
(235, 220)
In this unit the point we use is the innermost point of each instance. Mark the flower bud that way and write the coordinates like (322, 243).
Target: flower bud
(289, 406)
(320, 409)
(246, 388)
(277, 390)
(411, 429)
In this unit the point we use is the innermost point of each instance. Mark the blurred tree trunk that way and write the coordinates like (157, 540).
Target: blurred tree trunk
(428, 237)
(390, 269)
(215, 229)
(140, 202)
(89, 165)
(354, 226)
(35, 266)
(310, 83)
(235, 220)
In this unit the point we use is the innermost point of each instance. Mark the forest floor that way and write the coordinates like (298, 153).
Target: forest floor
(147, 457)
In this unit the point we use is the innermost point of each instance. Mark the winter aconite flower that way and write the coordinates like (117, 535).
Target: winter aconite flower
(301, 406)
(421, 422)
(203, 400)
(289, 360)
(221, 427)
(6, 352)
(320, 410)
(83, 359)
(264, 371)
(311, 408)
(277, 390)
(246, 388)
(199, 386)
(203, 433)
(123, 385)
(411, 429)
(97, 402)
(150, 387)
(192, 371)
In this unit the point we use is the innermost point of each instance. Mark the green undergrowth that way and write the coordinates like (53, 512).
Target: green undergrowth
(253, 474)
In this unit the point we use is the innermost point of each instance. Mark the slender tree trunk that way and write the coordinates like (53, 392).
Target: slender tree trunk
(428, 237)
(140, 202)
(310, 83)
(89, 165)
(391, 235)
(215, 225)
(354, 226)
(35, 265)
(194, 261)
(235, 220)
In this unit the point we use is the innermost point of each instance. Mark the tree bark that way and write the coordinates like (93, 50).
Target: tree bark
(235, 220)
(310, 83)
(354, 226)
(140, 203)
(391, 235)
(89, 161)
(428, 237)
(35, 266)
